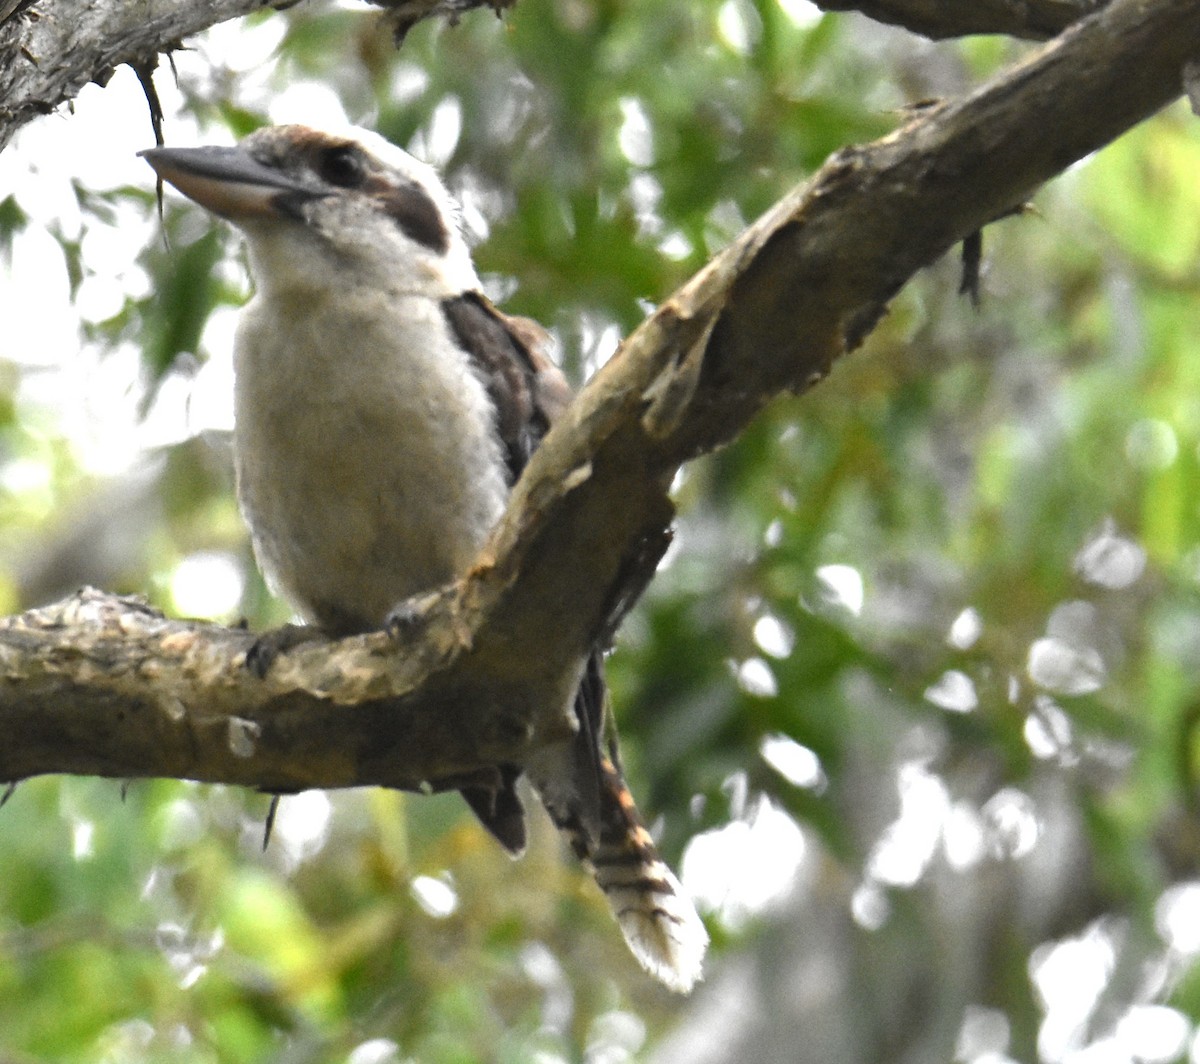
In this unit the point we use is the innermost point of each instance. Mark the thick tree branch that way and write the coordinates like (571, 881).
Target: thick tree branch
(808, 281)
(1032, 19)
(101, 687)
(53, 49)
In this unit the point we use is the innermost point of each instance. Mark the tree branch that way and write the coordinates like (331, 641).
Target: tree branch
(1031, 19)
(51, 49)
(49, 52)
(102, 686)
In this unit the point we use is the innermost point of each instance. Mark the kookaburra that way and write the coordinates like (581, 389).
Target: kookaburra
(383, 408)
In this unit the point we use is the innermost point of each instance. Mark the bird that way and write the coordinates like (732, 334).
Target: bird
(383, 409)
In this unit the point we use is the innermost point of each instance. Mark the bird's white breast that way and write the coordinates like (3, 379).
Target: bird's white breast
(368, 463)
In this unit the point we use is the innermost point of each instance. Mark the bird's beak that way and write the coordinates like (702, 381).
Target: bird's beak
(228, 181)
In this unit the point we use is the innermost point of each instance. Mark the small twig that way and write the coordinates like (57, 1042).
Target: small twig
(269, 825)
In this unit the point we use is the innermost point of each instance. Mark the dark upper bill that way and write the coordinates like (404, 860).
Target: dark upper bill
(226, 181)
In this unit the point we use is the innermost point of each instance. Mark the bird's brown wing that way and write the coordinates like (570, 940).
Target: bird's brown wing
(527, 389)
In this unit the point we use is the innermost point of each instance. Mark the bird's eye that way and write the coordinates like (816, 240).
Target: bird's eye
(342, 166)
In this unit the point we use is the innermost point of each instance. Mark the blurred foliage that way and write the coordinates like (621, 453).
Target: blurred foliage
(919, 674)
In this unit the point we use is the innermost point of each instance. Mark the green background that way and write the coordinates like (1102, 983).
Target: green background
(986, 850)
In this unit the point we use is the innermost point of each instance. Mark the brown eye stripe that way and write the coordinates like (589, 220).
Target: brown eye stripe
(413, 209)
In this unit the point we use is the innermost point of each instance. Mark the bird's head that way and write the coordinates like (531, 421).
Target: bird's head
(319, 207)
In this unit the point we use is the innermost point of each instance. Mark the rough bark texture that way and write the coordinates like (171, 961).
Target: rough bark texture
(49, 51)
(103, 686)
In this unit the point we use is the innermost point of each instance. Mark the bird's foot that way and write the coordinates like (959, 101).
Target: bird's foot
(268, 646)
(403, 621)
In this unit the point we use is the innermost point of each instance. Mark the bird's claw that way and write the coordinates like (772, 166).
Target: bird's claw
(268, 646)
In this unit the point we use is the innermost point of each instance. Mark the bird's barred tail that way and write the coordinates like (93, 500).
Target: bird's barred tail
(659, 922)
